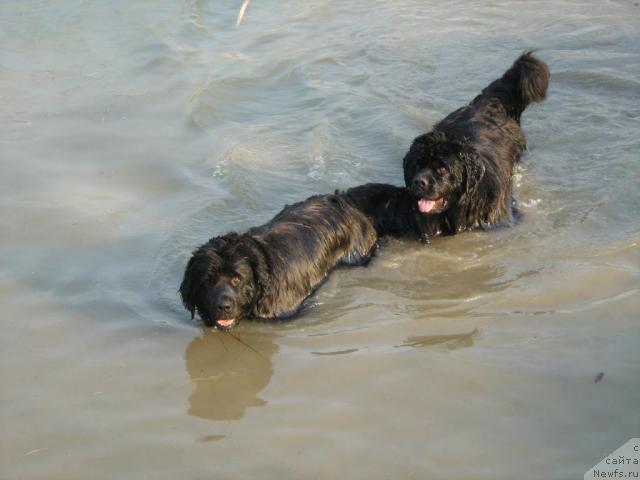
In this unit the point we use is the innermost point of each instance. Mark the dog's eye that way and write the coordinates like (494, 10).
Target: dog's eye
(442, 170)
(235, 281)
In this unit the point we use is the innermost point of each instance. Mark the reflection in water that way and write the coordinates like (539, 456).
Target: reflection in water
(444, 278)
(228, 371)
(453, 342)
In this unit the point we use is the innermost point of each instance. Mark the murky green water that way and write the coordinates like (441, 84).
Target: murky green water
(133, 131)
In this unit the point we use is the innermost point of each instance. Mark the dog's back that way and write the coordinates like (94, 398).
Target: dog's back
(303, 243)
(322, 229)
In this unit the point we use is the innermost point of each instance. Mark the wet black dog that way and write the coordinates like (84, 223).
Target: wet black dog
(459, 174)
(268, 271)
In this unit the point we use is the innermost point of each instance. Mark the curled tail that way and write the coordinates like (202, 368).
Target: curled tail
(528, 78)
(524, 83)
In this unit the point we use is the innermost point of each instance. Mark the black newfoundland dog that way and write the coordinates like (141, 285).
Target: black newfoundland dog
(269, 270)
(459, 174)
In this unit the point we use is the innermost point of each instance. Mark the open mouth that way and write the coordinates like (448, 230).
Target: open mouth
(431, 206)
(226, 323)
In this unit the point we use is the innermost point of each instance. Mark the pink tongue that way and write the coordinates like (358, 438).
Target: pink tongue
(425, 206)
(226, 323)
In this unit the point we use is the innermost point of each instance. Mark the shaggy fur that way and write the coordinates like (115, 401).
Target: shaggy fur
(389, 208)
(459, 173)
(268, 271)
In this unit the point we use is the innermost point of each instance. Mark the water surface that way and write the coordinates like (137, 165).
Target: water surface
(134, 131)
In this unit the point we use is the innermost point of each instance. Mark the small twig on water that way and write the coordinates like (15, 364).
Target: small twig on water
(37, 450)
(222, 343)
(242, 11)
(247, 345)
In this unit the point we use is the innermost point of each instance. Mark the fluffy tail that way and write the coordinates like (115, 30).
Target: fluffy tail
(524, 83)
(529, 76)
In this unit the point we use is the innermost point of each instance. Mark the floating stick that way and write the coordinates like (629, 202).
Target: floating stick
(242, 11)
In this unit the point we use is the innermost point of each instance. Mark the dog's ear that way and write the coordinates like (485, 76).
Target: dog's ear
(261, 272)
(474, 172)
(188, 286)
(201, 261)
(256, 254)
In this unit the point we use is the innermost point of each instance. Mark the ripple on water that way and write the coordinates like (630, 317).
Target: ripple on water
(282, 92)
(612, 82)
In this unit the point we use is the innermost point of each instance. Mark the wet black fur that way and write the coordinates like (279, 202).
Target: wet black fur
(278, 264)
(468, 158)
(388, 207)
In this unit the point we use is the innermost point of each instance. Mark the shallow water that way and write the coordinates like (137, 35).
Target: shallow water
(133, 131)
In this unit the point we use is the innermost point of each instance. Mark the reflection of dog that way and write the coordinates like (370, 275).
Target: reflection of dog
(460, 172)
(268, 271)
(229, 372)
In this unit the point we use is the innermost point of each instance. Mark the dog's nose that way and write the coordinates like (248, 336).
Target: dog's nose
(224, 306)
(419, 183)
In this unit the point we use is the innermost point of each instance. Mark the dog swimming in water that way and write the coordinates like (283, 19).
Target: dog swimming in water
(459, 174)
(269, 270)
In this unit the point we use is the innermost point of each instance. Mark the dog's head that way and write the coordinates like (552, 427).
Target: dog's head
(439, 173)
(223, 281)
